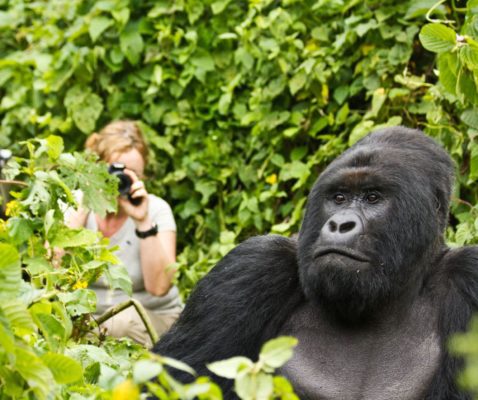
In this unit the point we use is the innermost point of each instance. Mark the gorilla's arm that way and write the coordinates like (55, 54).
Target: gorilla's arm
(458, 279)
(241, 303)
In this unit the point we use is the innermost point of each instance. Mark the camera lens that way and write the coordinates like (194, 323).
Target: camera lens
(125, 181)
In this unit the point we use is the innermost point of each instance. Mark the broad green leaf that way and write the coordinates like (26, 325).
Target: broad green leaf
(84, 106)
(64, 369)
(470, 117)
(231, 367)
(359, 131)
(74, 238)
(283, 388)
(98, 25)
(81, 301)
(7, 341)
(51, 328)
(145, 370)
(203, 60)
(473, 161)
(131, 43)
(178, 365)
(469, 54)
(18, 316)
(254, 387)
(447, 64)
(276, 352)
(437, 38)
(37, 375)
(55, 146)
(10, 271)
(19, 228)
(466, 90)
(294, 170)
(219, 6)
(88, 354)
(207, 189)
(297, 82)
(118, 278)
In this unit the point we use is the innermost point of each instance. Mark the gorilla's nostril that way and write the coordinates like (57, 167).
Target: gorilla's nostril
(333, 226)
(346, 227)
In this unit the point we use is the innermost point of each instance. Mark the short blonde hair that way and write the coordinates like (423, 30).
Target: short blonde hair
(117, 137)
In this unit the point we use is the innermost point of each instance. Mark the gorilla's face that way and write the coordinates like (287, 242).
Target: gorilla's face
(371, 218)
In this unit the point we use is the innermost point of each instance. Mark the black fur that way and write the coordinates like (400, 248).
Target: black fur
(249, 295)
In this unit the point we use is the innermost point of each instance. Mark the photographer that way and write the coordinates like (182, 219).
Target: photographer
(144, 230)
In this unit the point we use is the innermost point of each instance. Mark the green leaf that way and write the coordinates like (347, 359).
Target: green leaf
(118, 278)
(361, 130)
(178, 365)
(470, 117)
(447, 65)
(84, 106)
(10, 271)
(145, 370)
(98, 25)
(276, 352)
(64, 369)
(7, 340)
(54, 146)
(473, 161)
(131, 43)
(251, 387)
(437, 38)
(51, 328)
(231, 367)
(297, 82)
(18, 316)
(466, 88)
(35, 372)
(219, 6)
(294, 170)
(203, 60)
(81, 301)
(67, 237)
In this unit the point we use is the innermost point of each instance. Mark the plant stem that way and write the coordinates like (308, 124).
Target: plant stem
(141, 312)
(12, 182)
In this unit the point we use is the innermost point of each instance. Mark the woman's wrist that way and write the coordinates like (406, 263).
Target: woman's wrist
(144, 224)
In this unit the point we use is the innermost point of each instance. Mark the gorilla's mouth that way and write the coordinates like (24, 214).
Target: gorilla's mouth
(343, 251)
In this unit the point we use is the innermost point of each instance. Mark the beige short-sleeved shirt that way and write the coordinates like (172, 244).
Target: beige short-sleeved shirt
(128, 252)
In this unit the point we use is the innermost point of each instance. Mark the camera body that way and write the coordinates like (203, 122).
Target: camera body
(125, 182)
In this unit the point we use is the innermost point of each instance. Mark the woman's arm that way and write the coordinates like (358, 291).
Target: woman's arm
(158, 254)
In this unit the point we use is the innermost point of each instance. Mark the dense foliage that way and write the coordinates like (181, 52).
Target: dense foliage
(50, 343)
(243, 103)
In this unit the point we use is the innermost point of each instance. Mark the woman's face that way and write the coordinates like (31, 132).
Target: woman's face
(132, 160)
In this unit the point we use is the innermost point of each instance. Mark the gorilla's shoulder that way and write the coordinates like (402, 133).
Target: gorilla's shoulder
(255, 270)
(259, 254)
(461, 267)
(239, 304)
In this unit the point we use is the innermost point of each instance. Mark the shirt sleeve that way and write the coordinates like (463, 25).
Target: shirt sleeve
(161, 214)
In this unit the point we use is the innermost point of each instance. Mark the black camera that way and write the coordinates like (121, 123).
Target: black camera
(125, 182)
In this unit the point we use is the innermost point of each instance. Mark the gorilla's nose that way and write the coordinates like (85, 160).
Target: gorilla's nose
(341, 229)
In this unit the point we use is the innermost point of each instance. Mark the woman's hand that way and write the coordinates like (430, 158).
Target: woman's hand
(139, 213)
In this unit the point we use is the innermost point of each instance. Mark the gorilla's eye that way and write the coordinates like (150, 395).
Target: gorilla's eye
(372, 198)
(339, 198)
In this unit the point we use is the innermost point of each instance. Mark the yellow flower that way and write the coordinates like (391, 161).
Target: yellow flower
(126, 390)
(80, 285)
(271, 179)
(12, 209)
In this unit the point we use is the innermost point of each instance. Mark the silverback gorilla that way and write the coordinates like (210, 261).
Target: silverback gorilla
(369, 288)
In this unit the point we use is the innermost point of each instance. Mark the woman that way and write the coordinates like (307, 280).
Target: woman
(145, 234)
